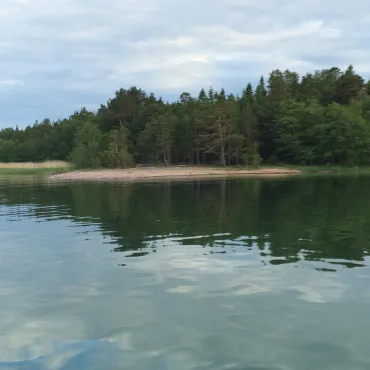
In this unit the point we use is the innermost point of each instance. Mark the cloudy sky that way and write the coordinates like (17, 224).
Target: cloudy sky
(57, 56)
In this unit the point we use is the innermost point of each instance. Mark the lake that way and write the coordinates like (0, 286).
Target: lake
(252, 274)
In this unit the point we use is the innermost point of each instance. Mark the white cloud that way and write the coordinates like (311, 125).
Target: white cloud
(71, 50)
(11, 82)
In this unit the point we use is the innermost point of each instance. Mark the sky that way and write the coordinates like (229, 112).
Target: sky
(57, 56)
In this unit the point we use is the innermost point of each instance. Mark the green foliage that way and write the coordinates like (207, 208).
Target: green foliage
(251, 156)
(157, 138)
(319, 118)
(86, 152)
(344, 137)
(296, 128)
(117, 154)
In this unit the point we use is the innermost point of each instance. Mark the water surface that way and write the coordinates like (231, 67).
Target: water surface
(239, 274)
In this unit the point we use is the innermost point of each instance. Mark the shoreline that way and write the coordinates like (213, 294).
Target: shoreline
(169, 173)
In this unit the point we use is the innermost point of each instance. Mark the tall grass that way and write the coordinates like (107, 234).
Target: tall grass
(35, 165)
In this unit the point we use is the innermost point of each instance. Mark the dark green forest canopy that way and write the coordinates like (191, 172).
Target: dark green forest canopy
(319, 118)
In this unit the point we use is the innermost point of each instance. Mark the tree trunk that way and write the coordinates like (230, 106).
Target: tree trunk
(191, 157)
(222, 155)
(169, 156)
(164, 158)
(222, 145)
(228, 154)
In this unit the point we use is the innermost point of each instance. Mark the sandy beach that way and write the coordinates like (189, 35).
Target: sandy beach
(156, 173)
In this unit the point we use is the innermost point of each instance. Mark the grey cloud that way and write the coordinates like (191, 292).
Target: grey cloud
(82, 48)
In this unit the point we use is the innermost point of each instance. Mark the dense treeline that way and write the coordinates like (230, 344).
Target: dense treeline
(322, 117)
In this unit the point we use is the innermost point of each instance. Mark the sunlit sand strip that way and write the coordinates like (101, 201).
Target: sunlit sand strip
(154, 173)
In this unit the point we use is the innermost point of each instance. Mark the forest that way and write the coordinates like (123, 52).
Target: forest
(320, 118)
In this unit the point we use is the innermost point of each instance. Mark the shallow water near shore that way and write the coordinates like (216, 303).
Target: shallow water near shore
(225, 274)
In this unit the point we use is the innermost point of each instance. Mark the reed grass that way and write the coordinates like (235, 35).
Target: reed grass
(35, 165)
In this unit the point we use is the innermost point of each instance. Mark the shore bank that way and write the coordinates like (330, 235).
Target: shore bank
(180, 172)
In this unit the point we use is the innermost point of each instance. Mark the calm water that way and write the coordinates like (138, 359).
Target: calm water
(241, 274)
